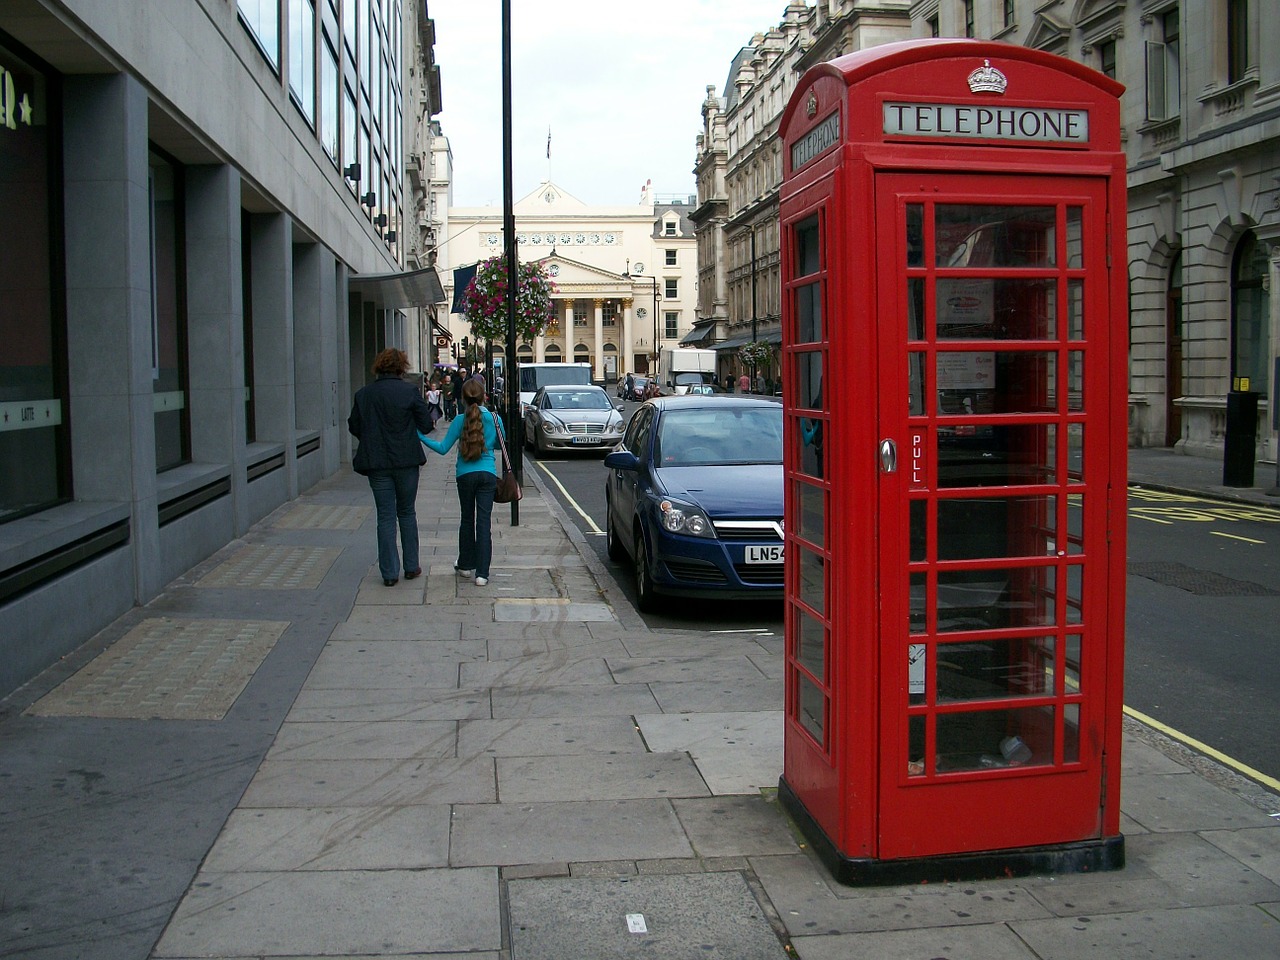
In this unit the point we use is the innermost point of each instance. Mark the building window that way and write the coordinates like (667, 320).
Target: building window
(669, 228)
(672, 325)
(672, 288)
(349, 26)
(168, 314)
(1107, 58)
(1008, 13)
(34, 464)
(579, 316)
(262, 17)
(1250, 313)
(1237, 40)
(672, 258)
(933, 26)
(302, 56)
(1164, 84)
(350, 135)
(968, 18)
(330, 99)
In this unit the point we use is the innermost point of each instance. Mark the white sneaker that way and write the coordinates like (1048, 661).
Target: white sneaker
(464, 574)
(481, 581)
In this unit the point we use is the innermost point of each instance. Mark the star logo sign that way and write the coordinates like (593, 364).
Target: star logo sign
(24, 110)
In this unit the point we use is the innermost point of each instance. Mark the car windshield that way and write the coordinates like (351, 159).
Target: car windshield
(578, 400)
(722, 435)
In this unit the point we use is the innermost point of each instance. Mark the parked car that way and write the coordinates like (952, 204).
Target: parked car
(693, 498)
(570, 417)
(639, 388)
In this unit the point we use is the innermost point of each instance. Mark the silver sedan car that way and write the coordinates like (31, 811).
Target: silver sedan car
(572, 417)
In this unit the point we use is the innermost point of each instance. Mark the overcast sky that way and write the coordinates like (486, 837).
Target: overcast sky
(620, 85)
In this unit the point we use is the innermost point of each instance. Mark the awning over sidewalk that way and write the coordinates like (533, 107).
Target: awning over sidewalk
(390, 291)
(700, 335)
(765, 336)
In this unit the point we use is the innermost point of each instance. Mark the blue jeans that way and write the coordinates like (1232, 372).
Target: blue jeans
(393, 494)
(475, 540)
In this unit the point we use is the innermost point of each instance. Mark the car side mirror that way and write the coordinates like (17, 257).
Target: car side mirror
(621, 460)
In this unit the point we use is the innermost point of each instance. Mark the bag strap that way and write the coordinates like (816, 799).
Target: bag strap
(502, 442)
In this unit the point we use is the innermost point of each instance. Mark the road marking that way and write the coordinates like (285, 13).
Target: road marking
(1232, 536)
(572, 502)
(1139, 516)
(1204, 748)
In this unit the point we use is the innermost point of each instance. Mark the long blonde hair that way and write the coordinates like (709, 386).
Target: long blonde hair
(471, 445)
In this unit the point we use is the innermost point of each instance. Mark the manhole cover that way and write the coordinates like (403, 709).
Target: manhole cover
(710, 916)
(1203, 583)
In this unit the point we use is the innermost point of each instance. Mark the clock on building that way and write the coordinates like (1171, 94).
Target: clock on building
(637, 267)
(554, 269)
(641, 313)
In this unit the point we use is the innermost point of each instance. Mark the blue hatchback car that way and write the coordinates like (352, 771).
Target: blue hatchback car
(694, 498)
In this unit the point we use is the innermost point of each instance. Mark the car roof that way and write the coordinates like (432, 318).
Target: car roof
(570, 387)
(696, 400)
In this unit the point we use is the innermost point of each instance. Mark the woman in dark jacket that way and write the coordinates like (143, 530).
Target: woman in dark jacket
(386, 417)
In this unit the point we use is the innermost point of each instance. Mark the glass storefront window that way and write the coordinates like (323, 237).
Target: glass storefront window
(1250, 314)
(168, 315)
(34, 470)
(329, 100)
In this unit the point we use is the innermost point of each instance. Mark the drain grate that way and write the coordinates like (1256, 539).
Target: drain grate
(1202, 583)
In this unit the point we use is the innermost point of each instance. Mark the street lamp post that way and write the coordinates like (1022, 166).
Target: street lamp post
(653, 280)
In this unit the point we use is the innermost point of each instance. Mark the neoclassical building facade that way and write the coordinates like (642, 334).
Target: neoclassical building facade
(625, 276)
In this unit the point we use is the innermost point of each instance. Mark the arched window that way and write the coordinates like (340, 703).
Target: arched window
(1250, 314)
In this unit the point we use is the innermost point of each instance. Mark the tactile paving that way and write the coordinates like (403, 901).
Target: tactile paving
(273, 568)
(167, 669)
(323, 516)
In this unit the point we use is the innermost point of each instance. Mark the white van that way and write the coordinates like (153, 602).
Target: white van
(536, 375)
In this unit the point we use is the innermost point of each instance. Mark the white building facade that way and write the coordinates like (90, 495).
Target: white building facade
(626, 276)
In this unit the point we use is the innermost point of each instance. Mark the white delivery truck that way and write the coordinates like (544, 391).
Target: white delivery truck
(680, 368)
(535, 375)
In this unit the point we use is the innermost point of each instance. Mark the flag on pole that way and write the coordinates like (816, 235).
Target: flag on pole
(548, 143)
(462, 278)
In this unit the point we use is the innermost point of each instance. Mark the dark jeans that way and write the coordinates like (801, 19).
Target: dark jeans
(393, 494)
(475, 541)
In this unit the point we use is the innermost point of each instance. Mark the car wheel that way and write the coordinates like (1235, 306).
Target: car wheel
(646, 599)
(613, 546)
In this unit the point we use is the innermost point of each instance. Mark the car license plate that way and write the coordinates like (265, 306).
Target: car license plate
(767, 553)
(586, 439)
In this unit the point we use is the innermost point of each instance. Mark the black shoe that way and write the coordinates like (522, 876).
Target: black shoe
(390, 583)
(413, 574)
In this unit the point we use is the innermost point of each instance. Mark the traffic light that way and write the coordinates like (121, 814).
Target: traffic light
(454, 348)
(464, 348)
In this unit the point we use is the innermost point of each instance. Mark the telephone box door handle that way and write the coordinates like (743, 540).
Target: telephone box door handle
(888, 456)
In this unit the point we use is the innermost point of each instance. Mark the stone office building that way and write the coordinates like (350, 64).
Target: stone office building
(198, 200)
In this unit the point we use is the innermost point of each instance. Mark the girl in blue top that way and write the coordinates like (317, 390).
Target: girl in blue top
(476, 433)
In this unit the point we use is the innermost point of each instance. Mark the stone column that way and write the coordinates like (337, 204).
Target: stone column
(109, 338)
(598, 363)
(625, 345)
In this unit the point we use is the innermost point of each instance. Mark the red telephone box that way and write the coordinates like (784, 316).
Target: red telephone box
(954, 339)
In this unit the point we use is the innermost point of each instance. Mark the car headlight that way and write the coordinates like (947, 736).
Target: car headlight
(685, 518)
(553, 427)
(616, 426)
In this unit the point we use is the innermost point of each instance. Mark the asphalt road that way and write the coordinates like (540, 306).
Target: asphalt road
(1203, 609)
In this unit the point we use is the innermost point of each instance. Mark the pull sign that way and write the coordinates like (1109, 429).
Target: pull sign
(918, 478)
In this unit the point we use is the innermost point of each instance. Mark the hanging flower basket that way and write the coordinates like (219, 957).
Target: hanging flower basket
(757, 353)
(484, 304)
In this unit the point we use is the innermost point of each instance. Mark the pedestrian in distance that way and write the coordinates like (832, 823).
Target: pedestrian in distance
(476, 434)
(387, 417)
(744, 383)
(435, 403)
